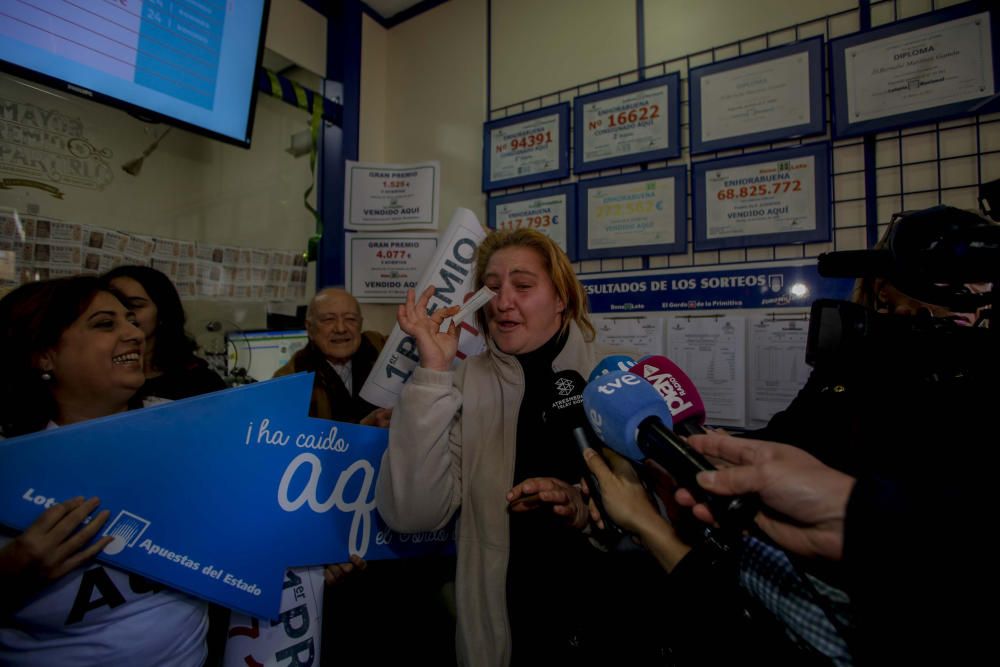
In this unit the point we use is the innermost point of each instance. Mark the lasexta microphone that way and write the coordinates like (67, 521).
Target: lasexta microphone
(566, 414)
(678, 392)
(629, 415)
(614, 362)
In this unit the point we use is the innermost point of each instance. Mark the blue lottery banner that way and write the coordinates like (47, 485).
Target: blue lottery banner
(767, 287)
(219, 494)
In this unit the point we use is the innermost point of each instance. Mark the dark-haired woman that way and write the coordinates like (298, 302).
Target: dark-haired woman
(70, 350)
(171, 368)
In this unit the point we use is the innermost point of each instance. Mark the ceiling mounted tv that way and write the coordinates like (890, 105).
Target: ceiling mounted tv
(191, 63)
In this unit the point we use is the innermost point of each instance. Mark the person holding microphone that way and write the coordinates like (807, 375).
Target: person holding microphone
(474, 439)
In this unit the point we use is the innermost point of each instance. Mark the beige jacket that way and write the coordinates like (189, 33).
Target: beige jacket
(451, 445)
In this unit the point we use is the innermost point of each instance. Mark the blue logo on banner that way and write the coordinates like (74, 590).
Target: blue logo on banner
(770, 287)
(219, 494)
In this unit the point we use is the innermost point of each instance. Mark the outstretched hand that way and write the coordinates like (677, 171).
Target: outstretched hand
(805, 501)
(566, 500)
(437, 349)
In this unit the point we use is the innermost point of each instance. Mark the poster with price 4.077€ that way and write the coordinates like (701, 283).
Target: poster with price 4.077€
(381, 267)
(762, 199)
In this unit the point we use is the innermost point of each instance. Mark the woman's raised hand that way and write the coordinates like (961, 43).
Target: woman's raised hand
(437, 349)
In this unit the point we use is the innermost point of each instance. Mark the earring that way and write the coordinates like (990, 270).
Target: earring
(46, 376)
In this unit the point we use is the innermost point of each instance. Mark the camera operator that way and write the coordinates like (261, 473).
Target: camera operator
(904, 405)
(878, 371)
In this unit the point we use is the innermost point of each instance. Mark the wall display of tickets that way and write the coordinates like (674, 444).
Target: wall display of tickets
(43, 248)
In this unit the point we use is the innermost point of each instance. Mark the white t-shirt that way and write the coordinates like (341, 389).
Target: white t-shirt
(99, 615)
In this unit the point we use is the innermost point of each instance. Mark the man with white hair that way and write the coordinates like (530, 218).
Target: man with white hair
(341, 356)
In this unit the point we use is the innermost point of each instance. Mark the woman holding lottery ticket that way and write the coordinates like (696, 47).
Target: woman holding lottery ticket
(475, 439)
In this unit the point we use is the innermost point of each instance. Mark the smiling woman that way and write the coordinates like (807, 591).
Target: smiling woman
(171, 368)
(70, 350)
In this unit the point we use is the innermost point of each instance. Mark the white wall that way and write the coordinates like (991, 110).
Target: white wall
(297, 32)
(423, 97)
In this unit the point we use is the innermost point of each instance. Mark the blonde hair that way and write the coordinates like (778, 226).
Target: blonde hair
(567, 285)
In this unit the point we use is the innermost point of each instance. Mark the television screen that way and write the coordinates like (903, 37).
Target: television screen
(189, 62)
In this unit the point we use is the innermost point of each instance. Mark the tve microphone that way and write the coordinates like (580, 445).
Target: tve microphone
(629, 415)
(615, 362)
(566, 412)
(678, 392)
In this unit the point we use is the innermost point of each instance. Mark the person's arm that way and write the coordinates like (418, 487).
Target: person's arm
(49, 548)
(419, 486)
(627, 503)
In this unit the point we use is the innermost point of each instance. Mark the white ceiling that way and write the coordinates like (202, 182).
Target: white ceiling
(389, 8)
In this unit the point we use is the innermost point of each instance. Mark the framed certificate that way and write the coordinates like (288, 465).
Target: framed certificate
(772, 95)
(926, 69)
(551, 211)
(768, 198)
(639, 122)
(642, 213)
(526, 148)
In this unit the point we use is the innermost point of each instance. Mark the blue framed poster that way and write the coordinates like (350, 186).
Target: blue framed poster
(772, 95)
(526, 148)
(641, 213)
(552, 211)
(765, 198)
(930, 68)
(638, 122)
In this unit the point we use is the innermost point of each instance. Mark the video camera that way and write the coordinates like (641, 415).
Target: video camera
(933, 255)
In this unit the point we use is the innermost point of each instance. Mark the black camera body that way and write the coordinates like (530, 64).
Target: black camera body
(842, 332)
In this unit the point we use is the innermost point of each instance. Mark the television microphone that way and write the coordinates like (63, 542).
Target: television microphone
(566, 412)
(614, 362)
(629, 415)
(678, 392)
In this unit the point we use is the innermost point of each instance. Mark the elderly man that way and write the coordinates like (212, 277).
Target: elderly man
(342, 356)
(405, 595)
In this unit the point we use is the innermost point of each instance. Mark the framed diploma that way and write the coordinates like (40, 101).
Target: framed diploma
(642, 213)
(526, 148)
(552, 211)
(639, 122)
(926, 69)
(768, 198)
(772, 95)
